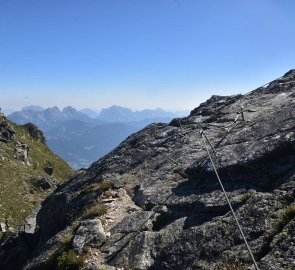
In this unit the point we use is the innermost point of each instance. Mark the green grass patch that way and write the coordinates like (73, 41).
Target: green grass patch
(96, 211)
(64, 257)
(286, 216)
(67, 240)
(246, 197)
(69, 260)
(97, 187)
(101, 267)
(232, 265)
(17, 195)
(40, 155)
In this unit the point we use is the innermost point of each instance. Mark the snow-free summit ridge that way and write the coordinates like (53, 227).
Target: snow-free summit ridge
(189, 224)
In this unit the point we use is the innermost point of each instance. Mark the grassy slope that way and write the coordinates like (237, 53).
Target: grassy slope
(17, 195)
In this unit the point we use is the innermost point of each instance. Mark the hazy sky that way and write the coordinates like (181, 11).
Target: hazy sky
(140, 53)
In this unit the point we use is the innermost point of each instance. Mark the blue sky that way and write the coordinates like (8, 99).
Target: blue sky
(172, 54)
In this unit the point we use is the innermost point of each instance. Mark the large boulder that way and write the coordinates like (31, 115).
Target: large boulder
(90, 232)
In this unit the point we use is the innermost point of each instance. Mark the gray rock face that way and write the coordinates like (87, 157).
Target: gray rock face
(121, 192)
(2, 227)
(90, 232)
(6, 130)
(185, 221)
(35, 132)
(29, 225)
(49, 169)
(22, 152)
(43, 183)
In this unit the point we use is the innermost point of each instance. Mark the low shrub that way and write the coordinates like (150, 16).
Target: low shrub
(60, 254)
(69, 260)
(233, 265)
(96, 210)
(287, 215)
(246, 197)
(213, 117)
(97, 187)
(67, 240)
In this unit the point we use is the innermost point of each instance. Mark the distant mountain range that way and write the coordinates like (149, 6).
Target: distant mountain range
(36, 108)
(80, 137)
(117, 114)
(45, 119)
(90, 112)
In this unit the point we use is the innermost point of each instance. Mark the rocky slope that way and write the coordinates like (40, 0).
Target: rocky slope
(29, 171)
(155, 203)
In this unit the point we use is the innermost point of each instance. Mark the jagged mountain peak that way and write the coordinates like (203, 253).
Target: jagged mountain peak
(49, 117)
(290, 74)
(69, 109)
(54, 109)
(36, 108)
(121, 114)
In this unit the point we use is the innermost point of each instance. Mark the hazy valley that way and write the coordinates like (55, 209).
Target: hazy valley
(81, 137)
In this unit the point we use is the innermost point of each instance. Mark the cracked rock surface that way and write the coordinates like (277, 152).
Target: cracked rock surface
(173, 213)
